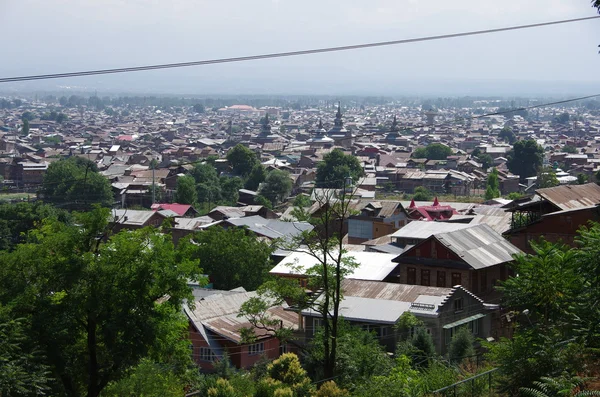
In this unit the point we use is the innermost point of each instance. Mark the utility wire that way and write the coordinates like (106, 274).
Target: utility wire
(289, 53)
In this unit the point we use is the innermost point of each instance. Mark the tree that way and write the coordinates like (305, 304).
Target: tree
(547, 178)
(146, 379)
(242, 160)
(98, 302)
(27, 116)
(563, 118)
(302, 200)
(434, 151)
(569, 149)
(185, 192)
(336, 167)
(507, 135)
(262, 200)
(493, 185)
(486, 161)
(422, 194)
(277, 186)
(75, 183)
(525, 158)
(461, 345)
(256, 177)
(324, 244)
(199, 108)
(582, 179)
(230, 189)
(25, 127)
(233, 258)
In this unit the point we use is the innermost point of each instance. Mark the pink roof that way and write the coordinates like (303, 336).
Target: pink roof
(436, 203)
(412, 204)
(179, 209)
(125, 138)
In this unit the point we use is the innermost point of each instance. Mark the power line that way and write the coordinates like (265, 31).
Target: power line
(289, 53)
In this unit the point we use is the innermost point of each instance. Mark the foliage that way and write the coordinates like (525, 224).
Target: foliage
(242, 160)
(493, 185)
(514, 196)
(331, 389)
(507, 135)
(302, 200)
(277, 186)
(92, 305)
(17, 219)
(230, 189)
(75, 183)
(147, 379)
(25, 127)
(287, 370)
(422, 194)
(22, 371)
(262, 200)
(434, 151)
(563, 385)
(199, 108)
(582, 179)
(185, 191)
(486, 161)
(233, 257)
(569, 149)
(525, 158)
(563, 118)
(547, 178)
(461, 345)
(256, 177)
(336, 167)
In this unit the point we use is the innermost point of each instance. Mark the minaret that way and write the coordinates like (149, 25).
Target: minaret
(338, 124)
(266, 126)
(393, 134)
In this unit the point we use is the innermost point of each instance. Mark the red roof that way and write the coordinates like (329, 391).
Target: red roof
(179, 209)
(125, 138)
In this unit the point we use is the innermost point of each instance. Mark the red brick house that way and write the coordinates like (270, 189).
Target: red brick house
(474, 257)
(554, 213)
(215, 329)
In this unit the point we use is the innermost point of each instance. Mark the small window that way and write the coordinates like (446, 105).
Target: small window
(257, 348)
(317, 323)
(283, 348)
(206, 354)
(411, 275)
(456, 279)
(458, 305)
(425, 279)
(474, 327)
(441, 278)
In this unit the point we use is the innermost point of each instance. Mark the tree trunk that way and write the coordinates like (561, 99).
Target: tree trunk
(93, 389)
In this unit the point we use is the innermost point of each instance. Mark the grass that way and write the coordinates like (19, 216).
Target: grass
(15, 196)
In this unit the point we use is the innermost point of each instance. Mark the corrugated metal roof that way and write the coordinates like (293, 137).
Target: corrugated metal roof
(479, 246)
(390, 291)
(271, 228)
(371, 265)
(572, 196)
(422, 230)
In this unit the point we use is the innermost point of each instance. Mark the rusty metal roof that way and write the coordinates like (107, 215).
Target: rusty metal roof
(572, 196)
(390, 291)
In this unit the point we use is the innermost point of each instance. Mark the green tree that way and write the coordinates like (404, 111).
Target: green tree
(507, 135)
(61, 118)
(547, 178)
(27, 116)
(75, 183)
(147, 379)
(230, 189)
(336, 167)
(242, 160)
(256, 177)
(563, 118)
(185, 192)
(461, 346)
(199, 108)
(98, 302)
(422, 194)
(493, 185)
(25, 127)
(434, 151)
(277, 186)
(569, 149)
(302, 200)
(525, 158)
(486, 161)
(233, 257)
(262, 200)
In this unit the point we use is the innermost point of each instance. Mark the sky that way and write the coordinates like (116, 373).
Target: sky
(55, 36)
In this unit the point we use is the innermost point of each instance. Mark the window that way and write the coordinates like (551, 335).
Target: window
(317, 323)
(257, 348)
(474, 327)
(441, 278)
(458, 305)
(411, 275)
(283, 348)
(206, 354)
(456, 279)
(425, 280)
(380, 331)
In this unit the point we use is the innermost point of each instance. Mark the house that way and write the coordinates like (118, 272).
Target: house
(554, 213)
(137, 219)
(182, 210)
(377, 306)
(432, 212)
(475, 257)
(376, 219)
(268, 228)
(215, 329)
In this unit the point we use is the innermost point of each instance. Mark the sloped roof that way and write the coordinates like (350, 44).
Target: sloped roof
(179, 209)
(572, 196)
(479, 246)
(422, 229)
(271, 228)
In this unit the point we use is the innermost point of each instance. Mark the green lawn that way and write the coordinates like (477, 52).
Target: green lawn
(15, 196)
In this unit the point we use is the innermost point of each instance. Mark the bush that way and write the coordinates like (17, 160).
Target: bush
(461, 345)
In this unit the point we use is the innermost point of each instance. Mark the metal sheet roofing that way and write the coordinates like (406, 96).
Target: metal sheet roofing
(572, 196)
(371, 265)
(479, 246)
(422, 230)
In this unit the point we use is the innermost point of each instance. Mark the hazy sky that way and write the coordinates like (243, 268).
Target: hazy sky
(52, 36)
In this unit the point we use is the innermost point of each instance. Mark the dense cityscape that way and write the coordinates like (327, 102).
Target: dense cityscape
(426, 222)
